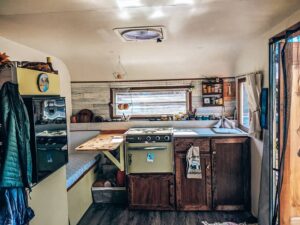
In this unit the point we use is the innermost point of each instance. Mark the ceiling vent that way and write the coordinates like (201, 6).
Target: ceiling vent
(138, 34)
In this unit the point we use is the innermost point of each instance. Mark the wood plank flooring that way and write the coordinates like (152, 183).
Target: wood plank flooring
(120, 215)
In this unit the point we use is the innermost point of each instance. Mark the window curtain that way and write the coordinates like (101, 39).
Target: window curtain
(253, 88)
(264, 194)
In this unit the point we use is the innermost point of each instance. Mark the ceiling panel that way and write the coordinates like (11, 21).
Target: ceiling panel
(204, 38)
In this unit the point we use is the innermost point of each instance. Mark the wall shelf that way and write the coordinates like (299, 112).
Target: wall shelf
(207, 94)
(212, 92)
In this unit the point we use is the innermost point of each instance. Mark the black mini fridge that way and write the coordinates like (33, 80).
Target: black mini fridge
(49, 140)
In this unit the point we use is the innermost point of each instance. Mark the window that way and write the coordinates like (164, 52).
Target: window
(243, 109)
(150, 102)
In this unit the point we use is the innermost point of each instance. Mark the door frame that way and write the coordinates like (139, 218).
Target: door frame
(271, 109)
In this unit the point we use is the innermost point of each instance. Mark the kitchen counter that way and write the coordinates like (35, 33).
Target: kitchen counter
(106, 143)
(79, 164)
(207, 132)
(141, 123)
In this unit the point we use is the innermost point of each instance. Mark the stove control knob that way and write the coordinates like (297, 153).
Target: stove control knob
(148, 138)
(167, 138)
(157, 138)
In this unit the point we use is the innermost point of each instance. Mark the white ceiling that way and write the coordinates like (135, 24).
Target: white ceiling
(203, 38)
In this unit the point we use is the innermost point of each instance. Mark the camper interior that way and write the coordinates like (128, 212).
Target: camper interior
(150, 112)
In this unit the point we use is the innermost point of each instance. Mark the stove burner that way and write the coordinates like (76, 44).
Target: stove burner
(155, 134)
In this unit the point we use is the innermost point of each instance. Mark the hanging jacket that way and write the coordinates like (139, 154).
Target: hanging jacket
(14, 208)
(15, 158)
(16, 164)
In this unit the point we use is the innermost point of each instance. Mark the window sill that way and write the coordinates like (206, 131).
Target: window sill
(243, 128)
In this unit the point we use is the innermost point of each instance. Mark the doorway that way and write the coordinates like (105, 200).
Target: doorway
(284, 81)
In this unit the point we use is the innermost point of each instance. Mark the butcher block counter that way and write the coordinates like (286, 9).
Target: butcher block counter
(106, 143)
(102, 142)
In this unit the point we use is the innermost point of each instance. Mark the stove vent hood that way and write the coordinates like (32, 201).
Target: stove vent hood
(140, 34)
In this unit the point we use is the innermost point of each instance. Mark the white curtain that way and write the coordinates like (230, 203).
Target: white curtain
(253, 87)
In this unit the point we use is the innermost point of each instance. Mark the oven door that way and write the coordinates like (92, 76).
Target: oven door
(149, 158)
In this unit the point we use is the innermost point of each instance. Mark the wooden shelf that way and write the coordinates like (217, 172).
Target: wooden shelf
(215, 93)
(211, 105)
(212, 97)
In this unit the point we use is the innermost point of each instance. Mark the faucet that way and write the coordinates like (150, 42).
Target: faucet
(223, 111)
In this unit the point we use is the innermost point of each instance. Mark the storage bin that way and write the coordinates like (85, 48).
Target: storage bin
(116, 195)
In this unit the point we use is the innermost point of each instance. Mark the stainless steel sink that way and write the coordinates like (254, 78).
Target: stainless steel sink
(227, 131)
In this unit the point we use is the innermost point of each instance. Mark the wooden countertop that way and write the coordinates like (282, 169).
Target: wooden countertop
(102, 142)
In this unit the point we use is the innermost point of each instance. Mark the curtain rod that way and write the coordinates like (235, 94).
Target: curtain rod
(133, 81)
(243, 75)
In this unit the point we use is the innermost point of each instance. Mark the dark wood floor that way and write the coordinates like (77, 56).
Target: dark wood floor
(119, 215)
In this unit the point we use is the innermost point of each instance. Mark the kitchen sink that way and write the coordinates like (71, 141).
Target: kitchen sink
(227, 131)
(187, 132)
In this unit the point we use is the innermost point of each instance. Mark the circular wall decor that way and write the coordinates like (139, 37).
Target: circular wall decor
(43, 82)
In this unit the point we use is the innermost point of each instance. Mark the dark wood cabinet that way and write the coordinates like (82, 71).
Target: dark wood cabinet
(225, 183)
(231, 173)
(183, 144)
(193, 194)
(151, 191)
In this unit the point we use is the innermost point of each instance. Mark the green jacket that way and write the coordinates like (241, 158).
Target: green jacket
(16, 164)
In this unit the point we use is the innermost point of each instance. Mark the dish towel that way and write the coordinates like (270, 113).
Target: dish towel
(224, 123)
(193, 163)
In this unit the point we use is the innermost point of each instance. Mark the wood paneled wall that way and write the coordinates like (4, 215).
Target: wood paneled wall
(96, 96)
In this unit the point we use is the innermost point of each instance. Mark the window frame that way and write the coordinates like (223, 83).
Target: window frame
(155, 88)
(239, 117)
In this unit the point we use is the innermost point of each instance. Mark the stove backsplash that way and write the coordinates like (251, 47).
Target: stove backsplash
(96, 96)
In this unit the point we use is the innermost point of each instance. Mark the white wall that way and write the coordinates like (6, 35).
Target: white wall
(255, 57)
(18, 52)
(49, 198)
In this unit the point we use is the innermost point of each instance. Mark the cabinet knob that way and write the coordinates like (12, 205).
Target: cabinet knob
(214, 152)
(208, 166)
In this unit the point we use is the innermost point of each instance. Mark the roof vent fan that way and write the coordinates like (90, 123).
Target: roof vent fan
(129, 34)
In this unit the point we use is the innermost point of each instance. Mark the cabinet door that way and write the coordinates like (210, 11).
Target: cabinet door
(193, 194)
(231, 173)
(183, 144)
(154, 192)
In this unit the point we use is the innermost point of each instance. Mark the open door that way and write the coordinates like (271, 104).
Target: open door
(285, 127)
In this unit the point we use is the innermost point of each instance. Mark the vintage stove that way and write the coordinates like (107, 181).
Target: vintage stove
(153, 134)
(149, 150)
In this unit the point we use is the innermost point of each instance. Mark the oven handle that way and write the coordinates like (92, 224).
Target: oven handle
(148, 148)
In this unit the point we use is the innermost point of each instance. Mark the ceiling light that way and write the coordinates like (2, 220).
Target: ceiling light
(183, 2)
(128, 3)
(119, 71)
(158, 13)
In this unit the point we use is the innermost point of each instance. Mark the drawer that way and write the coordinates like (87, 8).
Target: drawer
(183, 144)
(117, 195)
